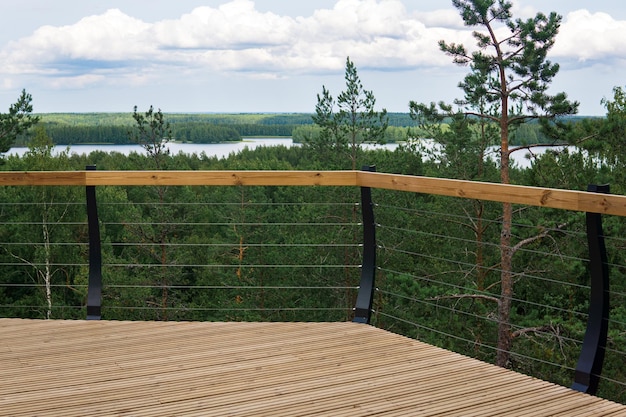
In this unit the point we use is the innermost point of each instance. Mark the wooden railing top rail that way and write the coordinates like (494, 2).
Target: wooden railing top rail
(534, 196)
(215, 178)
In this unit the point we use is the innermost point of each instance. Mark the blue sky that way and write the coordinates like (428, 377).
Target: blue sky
(272, 55)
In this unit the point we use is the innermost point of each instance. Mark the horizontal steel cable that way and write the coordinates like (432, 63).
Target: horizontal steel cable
(169, 309)
(121, 265)
(472, 265)
(475, 343)
(233, 287)
(485, 244)
(473, 290)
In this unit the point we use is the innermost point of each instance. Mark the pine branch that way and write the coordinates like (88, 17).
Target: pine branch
(483, 116)
(545, 330)
(532, 239)
(466, 296)
(535, 145)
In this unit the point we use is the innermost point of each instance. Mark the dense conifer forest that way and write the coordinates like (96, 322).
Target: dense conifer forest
(113, 128)
(291, 253)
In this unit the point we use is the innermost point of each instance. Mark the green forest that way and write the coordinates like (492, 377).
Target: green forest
(291, 253)
(504, 283)
(113, 128)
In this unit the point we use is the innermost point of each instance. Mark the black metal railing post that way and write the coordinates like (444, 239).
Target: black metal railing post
(365, 297)
(94, 290)
(589, 365)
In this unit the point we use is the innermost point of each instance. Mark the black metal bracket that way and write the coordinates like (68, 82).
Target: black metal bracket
(94, 290)
(365, 297)
(589, 365)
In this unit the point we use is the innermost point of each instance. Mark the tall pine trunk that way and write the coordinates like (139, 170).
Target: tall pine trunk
(506, 252)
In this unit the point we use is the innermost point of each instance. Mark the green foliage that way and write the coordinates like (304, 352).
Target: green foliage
(507, 85)
(605, 139)
(598, 158)
(292, 253)
(205, 133)
(509, 77)
(463, 142)
(529, 134)
(63, 134)
(568, 169)
(112, 128)
(17, 121)
(193, 132)
(41, 144)
(308, 134)
(126, 119)
(517, 65)
(47, 272)
(153, 133)
(354, 123)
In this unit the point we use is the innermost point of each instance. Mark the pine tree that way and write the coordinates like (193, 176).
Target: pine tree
(506, 86)
(17, 121)
(355, 122)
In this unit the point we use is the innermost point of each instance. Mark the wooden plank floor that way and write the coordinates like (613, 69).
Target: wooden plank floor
(86, 368)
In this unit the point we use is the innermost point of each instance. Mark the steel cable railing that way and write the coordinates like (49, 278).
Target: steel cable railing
(436, 297)
(188, 257)
(243, 276)
(476, 344)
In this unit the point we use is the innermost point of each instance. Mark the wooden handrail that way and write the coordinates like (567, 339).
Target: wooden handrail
(590, 363)
(210, 178)
(517, 194)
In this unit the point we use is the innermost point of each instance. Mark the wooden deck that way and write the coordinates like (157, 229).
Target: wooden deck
(84, 368)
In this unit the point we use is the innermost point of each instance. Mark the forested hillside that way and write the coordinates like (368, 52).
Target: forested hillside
(113, 128)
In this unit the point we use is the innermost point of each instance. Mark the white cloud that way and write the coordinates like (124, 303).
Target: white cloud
(526, 12)
(233, 25)
(447, 18)
(359, 20)
(115, 48)
(6, 84)
(591, 36)
(232, 37)
(76, 82)
(81, 54)
(110, 36)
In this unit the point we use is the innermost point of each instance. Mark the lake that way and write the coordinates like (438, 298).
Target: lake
(222, 150)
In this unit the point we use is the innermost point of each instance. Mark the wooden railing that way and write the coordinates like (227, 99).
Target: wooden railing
(589, 202)
(516, 194)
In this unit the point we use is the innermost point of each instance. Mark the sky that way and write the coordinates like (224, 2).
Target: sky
(242, 56)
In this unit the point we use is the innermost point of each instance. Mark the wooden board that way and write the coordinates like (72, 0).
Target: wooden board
(516, 194)
(62, 368)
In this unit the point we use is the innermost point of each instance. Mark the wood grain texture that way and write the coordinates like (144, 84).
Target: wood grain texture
(222, 178)
(534, 196)
(64, 368)
(517, 194)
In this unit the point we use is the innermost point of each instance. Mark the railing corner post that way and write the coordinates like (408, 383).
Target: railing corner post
(94, 289)
(365, 297)
(589, 367)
